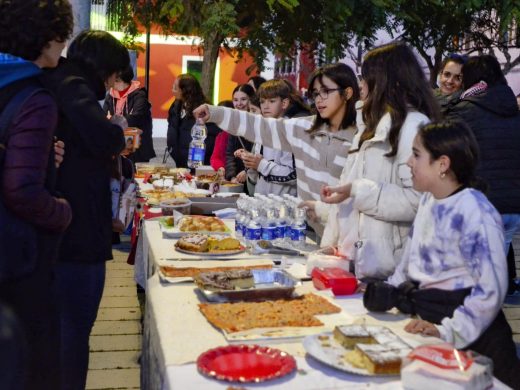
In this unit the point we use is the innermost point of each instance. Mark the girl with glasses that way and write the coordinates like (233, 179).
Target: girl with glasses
(319, 143)
(375, 204)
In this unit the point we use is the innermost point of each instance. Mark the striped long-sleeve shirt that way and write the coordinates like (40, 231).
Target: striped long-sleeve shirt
(319, 157)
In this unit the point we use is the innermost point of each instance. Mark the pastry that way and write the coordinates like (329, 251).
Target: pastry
(223, 244)
(227, 280)
(378, 358)
(193, 243)
(296, 312)
(181, 272)
(373, 348)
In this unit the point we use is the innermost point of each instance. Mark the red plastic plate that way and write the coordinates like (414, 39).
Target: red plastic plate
(245, 363)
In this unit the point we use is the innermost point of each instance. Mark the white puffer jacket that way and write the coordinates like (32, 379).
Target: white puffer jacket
(372, 226)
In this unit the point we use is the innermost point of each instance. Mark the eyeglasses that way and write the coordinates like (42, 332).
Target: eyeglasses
(449, 75)
(323, 93)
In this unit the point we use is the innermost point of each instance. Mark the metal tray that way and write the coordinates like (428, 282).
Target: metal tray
(269, 284)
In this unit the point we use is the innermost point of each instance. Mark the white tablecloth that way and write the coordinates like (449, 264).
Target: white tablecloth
(176, 333)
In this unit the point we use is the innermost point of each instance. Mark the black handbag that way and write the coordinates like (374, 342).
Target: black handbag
(18, 238)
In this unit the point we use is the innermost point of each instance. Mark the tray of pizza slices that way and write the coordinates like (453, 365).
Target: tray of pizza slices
(294, 317)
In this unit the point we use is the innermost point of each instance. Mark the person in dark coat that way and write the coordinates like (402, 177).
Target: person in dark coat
(188, 96)
(32, 36)
(128, 99)
(489, 107)
(94, 60)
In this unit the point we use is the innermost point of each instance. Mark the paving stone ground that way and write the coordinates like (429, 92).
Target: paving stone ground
(115, 342)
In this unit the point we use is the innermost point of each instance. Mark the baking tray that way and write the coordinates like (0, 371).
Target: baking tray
(269, 284)
(206, 206)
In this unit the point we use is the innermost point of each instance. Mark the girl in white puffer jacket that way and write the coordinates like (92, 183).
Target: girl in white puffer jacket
(374, 205)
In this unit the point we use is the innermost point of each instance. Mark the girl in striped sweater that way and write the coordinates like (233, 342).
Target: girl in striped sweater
(319, 143)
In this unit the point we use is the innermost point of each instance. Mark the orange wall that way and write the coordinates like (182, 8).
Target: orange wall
(166, 64)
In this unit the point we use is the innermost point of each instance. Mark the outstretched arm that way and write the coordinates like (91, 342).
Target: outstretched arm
(279, 134)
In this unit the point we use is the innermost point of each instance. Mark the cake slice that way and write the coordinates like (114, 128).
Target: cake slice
(223, 244)
(378, 358)
(193, 243)
(227, 280)
(350, 335)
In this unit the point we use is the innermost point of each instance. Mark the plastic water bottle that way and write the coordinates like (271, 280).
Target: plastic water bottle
(254, 229)
(298, 227)
(197, 149)
(283, 223)
(269, 226)
(239, 217)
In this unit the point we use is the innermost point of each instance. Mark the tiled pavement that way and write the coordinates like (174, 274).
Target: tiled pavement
(115, 342)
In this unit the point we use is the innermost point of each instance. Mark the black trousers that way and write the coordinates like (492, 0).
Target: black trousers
(496, 342)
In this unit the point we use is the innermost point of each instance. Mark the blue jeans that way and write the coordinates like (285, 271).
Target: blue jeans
(79, 288)
(511, 226)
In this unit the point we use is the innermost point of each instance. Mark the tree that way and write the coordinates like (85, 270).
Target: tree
(432, 26)
(441, 27)
(259, 26)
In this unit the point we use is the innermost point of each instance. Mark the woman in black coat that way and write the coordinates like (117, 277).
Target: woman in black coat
(488, 105)
(94, 60)
(188, 96)
(128, 99)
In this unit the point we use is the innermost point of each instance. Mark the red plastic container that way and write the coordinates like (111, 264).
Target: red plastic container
(340, 281)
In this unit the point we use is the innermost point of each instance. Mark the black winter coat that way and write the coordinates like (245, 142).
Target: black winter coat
(137, 113)
(179, 135)
(495, 120)
(84, 176)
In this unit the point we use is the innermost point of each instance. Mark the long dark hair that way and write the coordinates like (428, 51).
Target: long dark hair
(192, 95)
(395, 82)
(455, 140)
(345, 78)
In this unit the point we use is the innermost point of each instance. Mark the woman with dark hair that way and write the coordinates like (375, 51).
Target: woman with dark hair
(319, 143)
(489, 107)
(33, 216)
(188, 95)
(235, 169)
(95, 58)
(127, 98)
(450, 80)
(376, 201)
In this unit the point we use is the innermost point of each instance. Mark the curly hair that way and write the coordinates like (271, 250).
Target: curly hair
(26, 27)
(192, 95)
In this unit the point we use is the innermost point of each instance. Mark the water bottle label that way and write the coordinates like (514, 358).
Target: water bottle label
(197, 154)
(280, 231)
(269, 233)
(287, 231)
(253, 233)
(298, 234)
(238, 226)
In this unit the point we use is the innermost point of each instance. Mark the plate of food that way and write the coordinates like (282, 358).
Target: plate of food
(209, 245)
(245, 285)
(359, 349)
(192, 224)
